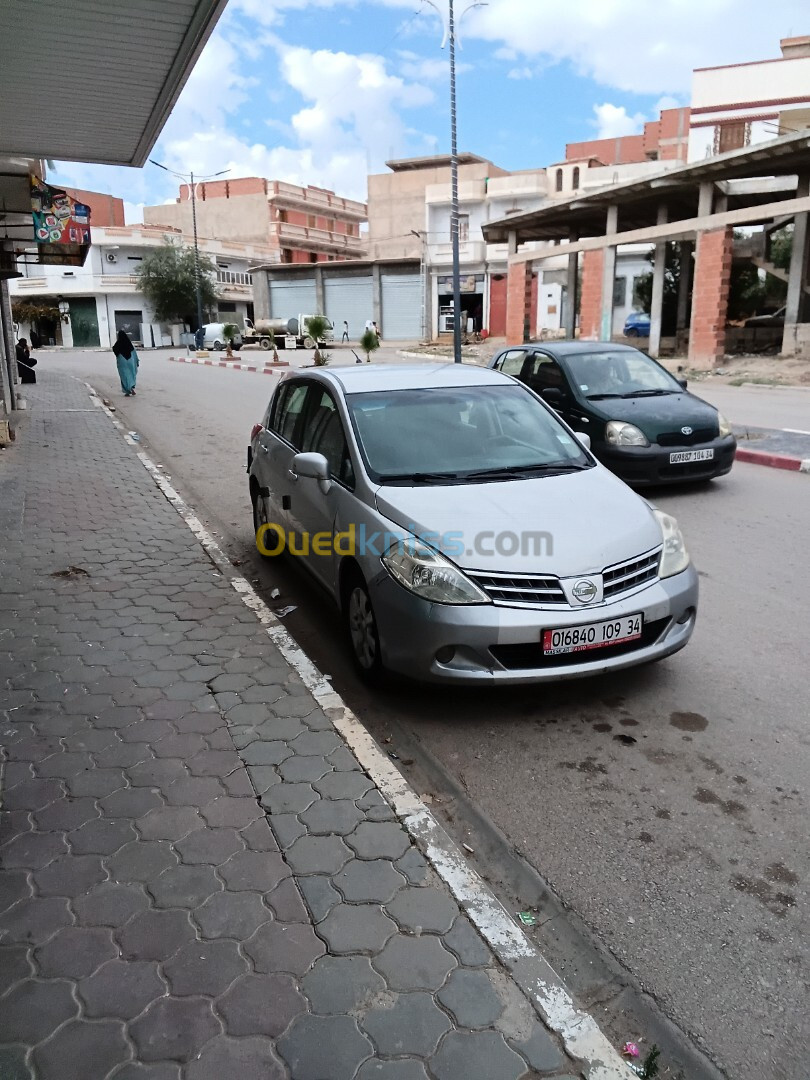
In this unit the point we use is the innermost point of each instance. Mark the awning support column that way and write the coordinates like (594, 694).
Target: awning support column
(800, 255)
(571, 291)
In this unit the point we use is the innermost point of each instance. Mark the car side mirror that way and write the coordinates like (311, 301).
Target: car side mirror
(312, 466)
(553, 396)
(584, 438)
(683, 383)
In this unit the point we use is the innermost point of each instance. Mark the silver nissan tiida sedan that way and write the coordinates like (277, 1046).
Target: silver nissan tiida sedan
(466, 533)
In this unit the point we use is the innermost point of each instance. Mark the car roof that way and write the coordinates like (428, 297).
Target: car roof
(573, 348)
(364, 379)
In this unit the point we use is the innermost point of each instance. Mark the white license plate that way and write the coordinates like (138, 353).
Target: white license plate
(592, 636)
(690, 455)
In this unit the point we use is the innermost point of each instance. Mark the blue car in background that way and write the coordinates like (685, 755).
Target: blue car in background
(637, 324)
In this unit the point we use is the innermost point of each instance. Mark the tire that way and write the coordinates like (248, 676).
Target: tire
(309, 342)
(631, 332)
(217, 346)
(259, 517)
(361, 630)
(265, 343)
(236, 348)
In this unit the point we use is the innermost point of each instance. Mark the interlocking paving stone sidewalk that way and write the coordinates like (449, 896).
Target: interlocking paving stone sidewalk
(198, 881)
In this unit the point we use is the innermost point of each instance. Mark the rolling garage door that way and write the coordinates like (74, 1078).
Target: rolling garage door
(350, 299)
(289, 299)
(401, 307)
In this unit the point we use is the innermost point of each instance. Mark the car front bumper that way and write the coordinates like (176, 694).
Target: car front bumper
(499, 644)
(642, 466)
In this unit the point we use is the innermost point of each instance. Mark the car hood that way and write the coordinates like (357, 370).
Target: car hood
(656, 415)
(582, 522)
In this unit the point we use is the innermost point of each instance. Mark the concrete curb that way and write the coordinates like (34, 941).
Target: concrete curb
(266, 369)
(579, 1031)
(773, 461)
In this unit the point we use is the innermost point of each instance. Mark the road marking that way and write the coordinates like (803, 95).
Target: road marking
(578, 1030)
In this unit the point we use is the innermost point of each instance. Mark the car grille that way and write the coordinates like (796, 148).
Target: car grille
(627, 575)
(677, 438)
(530, 654)
(520, 588)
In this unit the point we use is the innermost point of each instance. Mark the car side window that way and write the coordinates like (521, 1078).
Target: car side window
(287, 412)
(323, 434)
(544, 373)
(511, 363)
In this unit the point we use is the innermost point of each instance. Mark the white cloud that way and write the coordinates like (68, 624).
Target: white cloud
(613, 121)
(520, 73)
(636, 46)
(133, 213)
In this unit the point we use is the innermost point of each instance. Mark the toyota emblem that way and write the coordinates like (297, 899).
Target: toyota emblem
(686, 430)
(584, 591)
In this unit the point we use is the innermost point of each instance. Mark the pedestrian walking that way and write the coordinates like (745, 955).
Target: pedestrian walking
(25, 362)
(345, 332)
(375, 328)
(127, 359)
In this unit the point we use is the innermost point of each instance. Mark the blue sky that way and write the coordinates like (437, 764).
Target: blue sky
(324, 91)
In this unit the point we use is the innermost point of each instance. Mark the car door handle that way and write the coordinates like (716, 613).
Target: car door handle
(292, 475)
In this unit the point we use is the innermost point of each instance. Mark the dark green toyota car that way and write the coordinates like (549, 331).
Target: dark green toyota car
(642, 422)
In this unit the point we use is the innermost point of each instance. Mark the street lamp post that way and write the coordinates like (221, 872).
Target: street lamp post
(450, 36)
(192, 188)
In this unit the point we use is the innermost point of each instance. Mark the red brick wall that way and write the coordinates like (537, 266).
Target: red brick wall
(707, 335)
(518, 301)
(497, 306)
(590, 303)
(104, 209)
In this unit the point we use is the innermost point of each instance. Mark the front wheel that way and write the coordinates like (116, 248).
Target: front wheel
(266, 344)
(217, 345)
(361, 624)
(309, 342)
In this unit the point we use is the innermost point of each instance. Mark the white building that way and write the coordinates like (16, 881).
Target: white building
(101, 297)
(742, 104)
(484, 267)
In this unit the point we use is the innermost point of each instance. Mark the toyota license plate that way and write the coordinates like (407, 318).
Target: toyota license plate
(592, 636)
(679, 456)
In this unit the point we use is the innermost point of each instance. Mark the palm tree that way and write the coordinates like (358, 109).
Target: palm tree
(317, 327)
(229, 332)
(369, 343)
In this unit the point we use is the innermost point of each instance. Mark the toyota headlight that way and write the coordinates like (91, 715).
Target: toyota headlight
(725, 426)
(428, 574)
(674, 557)
(619, 433)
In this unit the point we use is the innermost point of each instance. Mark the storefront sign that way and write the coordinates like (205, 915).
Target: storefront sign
(61, 224)
(470, 283)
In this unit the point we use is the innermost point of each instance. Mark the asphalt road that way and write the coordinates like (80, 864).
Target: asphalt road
(683, 847)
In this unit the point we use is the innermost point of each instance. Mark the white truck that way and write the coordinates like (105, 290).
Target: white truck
(283, 333)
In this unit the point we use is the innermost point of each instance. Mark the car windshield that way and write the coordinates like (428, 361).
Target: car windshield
(464, 434)
(611, 373)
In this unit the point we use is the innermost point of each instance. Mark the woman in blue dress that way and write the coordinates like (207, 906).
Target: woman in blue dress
(127, 360)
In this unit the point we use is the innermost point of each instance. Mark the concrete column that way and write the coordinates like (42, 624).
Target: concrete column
(707, 338)
(376, 298)
(684, 282)
(320, 303)
(657, 302)
(8, 357)
(608, 277)
(571, 290)
(261, 295)
(706, 198)
(511, 243)
(590, 305)
(799, 257)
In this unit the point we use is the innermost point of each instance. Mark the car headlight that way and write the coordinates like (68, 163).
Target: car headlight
(619, 433)
(428, 574)
(674, 557)
(725, 426)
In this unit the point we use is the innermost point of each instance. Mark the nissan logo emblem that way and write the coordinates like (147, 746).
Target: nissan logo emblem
(686, 430)
(584, 591)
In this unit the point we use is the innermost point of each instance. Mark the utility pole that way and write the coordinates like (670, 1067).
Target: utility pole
(189, 179)
(450, 36)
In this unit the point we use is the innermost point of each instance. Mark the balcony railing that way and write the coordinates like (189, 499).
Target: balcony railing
(319, 239)
(319, 201)
(233, 277)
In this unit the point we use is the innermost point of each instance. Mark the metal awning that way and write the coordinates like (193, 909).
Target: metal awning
(95, 80)
(638, 201)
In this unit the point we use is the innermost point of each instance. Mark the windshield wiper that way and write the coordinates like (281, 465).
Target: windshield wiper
(420, 477)
(519, 472)
(647, 393)
(598, 397)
